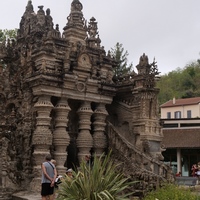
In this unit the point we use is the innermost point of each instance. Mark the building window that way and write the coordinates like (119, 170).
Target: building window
(168, 115)
(189, 114)
(177, 115)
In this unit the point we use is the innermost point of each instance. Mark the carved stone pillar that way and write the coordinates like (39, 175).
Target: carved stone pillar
(84, 139)
(61, 137)
(99, 136)
(42, 137)
(4, 162)
(1, 68)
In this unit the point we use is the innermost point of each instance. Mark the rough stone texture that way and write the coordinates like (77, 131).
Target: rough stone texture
(58, 95)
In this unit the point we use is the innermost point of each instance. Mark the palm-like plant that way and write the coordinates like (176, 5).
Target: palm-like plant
(101, 181)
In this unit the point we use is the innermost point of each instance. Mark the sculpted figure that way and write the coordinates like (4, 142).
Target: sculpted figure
(49, 19)
(144, 61)
(40, 16)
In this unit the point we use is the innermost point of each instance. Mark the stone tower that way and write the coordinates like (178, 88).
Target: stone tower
(58, 95)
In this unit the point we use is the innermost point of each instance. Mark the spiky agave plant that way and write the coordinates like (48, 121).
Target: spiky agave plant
(101, 181)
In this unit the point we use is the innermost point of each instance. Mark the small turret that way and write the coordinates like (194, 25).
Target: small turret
(75, 29)
(143, 67)
(93, 39)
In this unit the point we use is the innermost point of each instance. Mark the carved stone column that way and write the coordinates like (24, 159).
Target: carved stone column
(61, 137)
(84, 139)
(99, 136)
(1, 68)
(4, 162)
(42, 137)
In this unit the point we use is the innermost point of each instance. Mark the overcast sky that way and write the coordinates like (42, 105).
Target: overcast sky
(168, 30)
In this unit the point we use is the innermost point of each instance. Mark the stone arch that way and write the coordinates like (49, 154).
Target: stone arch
(84, 62)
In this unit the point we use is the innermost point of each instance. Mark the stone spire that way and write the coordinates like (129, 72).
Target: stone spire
(93, 39)
(29, 7)
(25, 20)
(75, 28)
(143, 67)
(75, 18)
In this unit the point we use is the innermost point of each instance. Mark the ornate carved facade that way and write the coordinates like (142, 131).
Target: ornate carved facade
(58, 95)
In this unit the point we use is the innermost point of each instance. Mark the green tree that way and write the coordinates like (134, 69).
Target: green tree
(181, 83)
(120, 56)
(173, 82)
(5, 33)
(101, 181)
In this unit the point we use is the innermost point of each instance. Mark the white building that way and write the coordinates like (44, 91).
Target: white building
(181, 131)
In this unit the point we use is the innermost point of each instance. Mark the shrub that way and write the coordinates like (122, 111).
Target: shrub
(100, 181)
(172, 192)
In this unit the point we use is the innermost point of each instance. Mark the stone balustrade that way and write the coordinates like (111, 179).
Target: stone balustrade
(150, 172)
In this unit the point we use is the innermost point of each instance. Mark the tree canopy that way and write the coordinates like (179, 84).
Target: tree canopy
(5, 34)
(120, 55)
(180, 83)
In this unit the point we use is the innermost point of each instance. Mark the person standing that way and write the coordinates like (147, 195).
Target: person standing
(49, 175)
(194, 170)
(56, 183)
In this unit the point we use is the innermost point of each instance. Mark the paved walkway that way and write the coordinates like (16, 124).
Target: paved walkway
(32, 196)
(26, 196)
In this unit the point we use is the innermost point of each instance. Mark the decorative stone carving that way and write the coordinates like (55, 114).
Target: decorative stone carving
(99, 137)
(60, 135)
(84, 62)
(80, 86)
(84, 139)
(4, 159)
(42, 136)
(75, 28)
(92, 28)
(93, 39)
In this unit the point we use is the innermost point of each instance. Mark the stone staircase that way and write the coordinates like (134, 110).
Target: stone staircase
(136, 165)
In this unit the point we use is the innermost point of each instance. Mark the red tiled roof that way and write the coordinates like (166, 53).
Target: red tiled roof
(181, 138)
(181, 102)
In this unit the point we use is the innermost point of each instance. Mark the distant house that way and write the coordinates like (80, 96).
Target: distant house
(181, 130)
